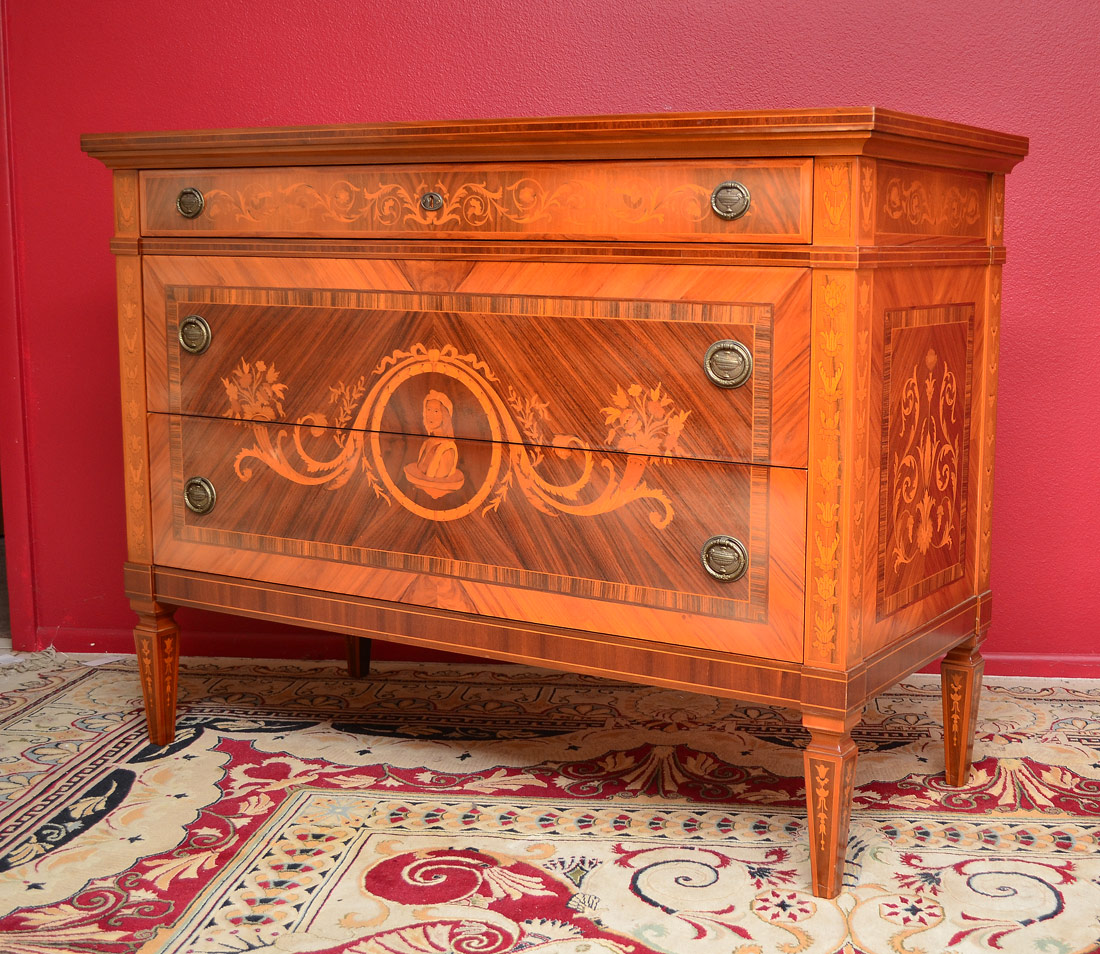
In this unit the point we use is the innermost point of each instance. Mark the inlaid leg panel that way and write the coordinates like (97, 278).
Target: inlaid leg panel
(830, 761)
(156, 638)
(961, 678)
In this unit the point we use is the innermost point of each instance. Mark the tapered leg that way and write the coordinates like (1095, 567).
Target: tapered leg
(830, 784)
(961, 679)
(358, 656)
(156, 637)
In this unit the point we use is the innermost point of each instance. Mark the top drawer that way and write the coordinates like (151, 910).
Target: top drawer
(646, 201)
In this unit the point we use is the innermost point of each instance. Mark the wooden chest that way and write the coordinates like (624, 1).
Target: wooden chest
(703, 401)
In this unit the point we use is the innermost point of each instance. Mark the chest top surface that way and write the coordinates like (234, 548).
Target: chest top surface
(869, 131)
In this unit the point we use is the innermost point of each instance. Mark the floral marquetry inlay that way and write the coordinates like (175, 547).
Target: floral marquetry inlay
(830, 380)
(925, 451)
(998, 222)
(838, 188)
(395, 204)
(992, 361)
(955, 688)
(433, 483)
(931, 203)
(914, 203)
(496, 205)
(126, 203)
(925, 474)
(867, 195)
(859, 508)
(834, 201)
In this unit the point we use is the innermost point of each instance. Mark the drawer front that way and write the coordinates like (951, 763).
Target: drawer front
(608, 375)
(608, 542)
(605, 200)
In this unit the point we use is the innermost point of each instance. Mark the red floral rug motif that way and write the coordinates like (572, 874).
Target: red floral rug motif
(435, 809)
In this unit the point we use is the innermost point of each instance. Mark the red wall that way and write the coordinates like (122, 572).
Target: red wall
(1028, 67)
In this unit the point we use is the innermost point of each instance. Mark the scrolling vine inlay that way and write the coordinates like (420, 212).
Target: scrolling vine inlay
(469, 204)
(925, 473)
(641, 420)
(465, 204)
(931, 202)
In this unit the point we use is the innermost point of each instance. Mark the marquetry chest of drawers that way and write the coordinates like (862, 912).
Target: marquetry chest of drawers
(703, 401)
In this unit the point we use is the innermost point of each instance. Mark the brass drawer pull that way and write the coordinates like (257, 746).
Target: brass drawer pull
(730, 200)
(728, 363)
(195, 334)
(199, 495)
(725, 558)
(189, 203)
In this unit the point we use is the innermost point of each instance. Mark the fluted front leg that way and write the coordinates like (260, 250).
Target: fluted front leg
(961, 681)
(156, 637)
(830, 761)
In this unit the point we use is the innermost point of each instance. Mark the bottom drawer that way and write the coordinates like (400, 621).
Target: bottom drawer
(607, 542)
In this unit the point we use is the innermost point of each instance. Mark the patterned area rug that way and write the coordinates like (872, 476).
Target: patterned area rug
(455, 810)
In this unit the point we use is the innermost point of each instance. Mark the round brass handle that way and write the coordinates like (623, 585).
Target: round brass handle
(730, 200)
(725, 558)
(431, 202)
(728, 363)
(189, 203)
(199, 495)
(194, 334)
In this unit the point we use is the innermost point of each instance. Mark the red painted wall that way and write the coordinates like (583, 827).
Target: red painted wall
(1028, 67)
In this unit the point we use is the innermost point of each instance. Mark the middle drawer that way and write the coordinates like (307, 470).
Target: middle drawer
(693, 379)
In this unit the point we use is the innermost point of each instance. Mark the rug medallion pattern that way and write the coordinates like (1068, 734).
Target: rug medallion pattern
(433, 809)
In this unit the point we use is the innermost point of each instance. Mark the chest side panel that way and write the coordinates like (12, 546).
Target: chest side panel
(928, 327)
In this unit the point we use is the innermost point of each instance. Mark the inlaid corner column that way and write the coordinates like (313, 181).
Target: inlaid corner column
(830, 762)
(961, 679)
(841, 537)
(131, 344)
(844, 200)
(156, 638)
(358, 656)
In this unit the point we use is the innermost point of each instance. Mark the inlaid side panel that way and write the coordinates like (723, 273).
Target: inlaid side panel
(483, 526)
(925, 435)
(649, 200)
(916, 204)
(928, 361)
